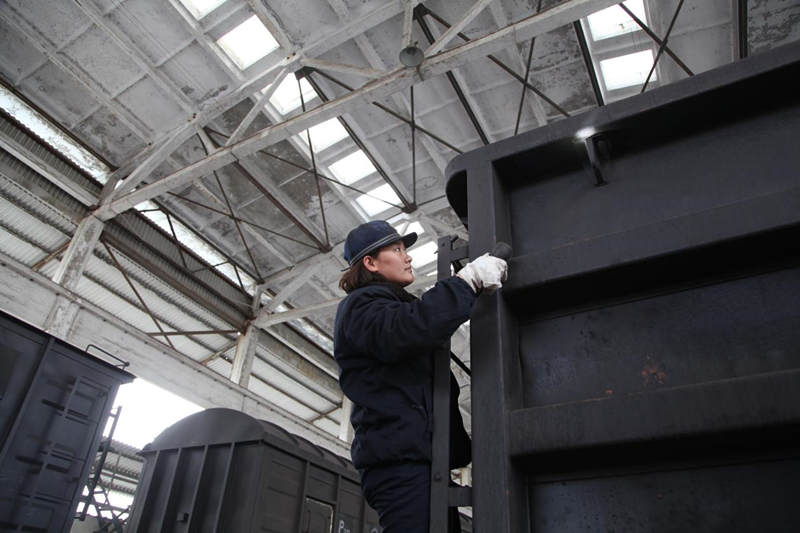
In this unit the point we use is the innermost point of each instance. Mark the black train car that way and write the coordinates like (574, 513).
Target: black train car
(54, 403)
(222, 470)
(640, 370)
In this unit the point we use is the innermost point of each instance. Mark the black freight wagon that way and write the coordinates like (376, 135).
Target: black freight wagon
(54, 403)
(222, 470)
(640, 371)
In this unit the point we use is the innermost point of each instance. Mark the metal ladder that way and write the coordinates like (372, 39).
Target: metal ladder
(444, 496)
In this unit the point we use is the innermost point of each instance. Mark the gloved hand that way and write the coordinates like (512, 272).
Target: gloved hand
(485, 273)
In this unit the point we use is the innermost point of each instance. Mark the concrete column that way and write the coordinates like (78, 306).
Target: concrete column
(243, 358)
(62, 315)
(345, 428)
(79, 252)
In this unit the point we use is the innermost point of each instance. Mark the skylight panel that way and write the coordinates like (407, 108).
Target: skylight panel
(286, 97)
(613, 21)
(627, 70)
(325, 134)
(53, 136)
(405, 227)
(248, 42)
(373, 205)
(201, 8)
(352, 168)
(423, 254)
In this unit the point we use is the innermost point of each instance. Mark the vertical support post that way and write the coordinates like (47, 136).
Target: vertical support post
(440, 460)
(345, 428)
(78, 253)
(243, 358)
(499, 490)
(69, 272)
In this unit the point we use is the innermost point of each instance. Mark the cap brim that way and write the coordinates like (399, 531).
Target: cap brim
(409, 239)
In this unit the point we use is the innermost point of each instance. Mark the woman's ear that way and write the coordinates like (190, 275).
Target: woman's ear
(369, 263)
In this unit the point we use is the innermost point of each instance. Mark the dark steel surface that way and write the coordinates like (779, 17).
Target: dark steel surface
(640, 370)
(54, 402)
(222, 470)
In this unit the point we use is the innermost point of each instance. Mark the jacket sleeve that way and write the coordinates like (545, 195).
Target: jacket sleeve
(389, 329)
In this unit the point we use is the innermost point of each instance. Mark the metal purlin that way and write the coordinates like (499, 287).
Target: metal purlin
(136, 292)
(663, 45)
(314, 167)
(655, 37)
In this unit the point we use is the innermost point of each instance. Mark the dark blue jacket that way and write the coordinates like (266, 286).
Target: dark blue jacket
(384, 340)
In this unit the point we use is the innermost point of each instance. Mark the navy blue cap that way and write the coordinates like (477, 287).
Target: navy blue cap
(372, 236)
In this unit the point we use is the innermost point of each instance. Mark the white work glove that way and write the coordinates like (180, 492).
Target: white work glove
(485, 273)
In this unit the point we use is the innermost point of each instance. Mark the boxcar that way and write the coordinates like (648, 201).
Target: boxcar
(640, 371)
(54, 403)
(223, 470)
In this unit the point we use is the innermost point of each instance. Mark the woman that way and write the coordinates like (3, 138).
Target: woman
(384, 340)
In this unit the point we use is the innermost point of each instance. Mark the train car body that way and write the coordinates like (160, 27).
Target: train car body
(222, 470)
(640, 370)
(54, 403)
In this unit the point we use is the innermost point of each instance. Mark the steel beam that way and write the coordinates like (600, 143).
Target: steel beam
(290, 288)
(364, 72)
(655, 38)
(455, 85)
(456, 28)
(502, 65)
(29, 295)
(501, 19)
(279, 199)
(389, 111)
(140, 167)
(663, 45)
(238, 133)
(408, 205)
(588, 63)
(266, 320)
(397, 80)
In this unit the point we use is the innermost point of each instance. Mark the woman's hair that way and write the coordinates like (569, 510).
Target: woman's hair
(357, 276)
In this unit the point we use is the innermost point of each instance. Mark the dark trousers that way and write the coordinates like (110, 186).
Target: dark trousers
(401, 494)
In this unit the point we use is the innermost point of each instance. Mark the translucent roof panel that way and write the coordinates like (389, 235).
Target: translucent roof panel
(613, 21)
(286, 97)
(352, 168)
(248, 42)
(627, 70)
(325, 134)
(373, 205)
(423, 254)
(405, 227)
(53, 136)
(201, 8)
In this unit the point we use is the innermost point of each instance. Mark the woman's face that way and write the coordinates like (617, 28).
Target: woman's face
(393, 263)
